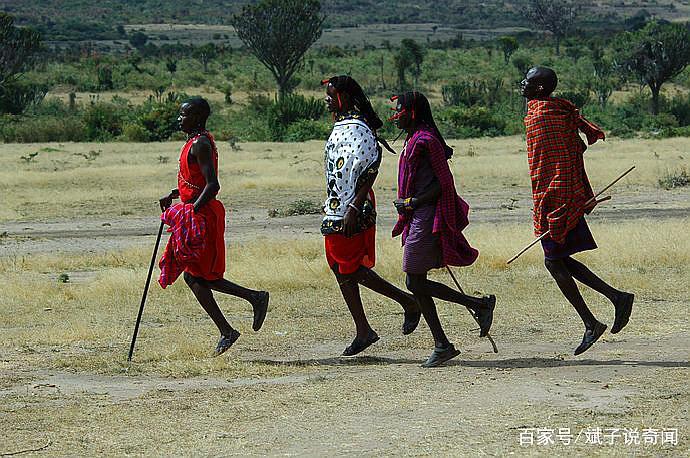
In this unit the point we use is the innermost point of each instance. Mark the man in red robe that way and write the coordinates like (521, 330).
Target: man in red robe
(561, 194)
(197, 184)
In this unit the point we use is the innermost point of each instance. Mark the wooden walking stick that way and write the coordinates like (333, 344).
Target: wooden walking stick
(493, 344)
(593, 199)
(146, 289)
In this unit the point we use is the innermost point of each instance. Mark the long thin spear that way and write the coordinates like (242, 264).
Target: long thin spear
(593, 199)
(493, 344)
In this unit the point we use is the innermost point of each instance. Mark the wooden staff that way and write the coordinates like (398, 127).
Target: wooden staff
(593, 199)
(493, 344)
(146, 289)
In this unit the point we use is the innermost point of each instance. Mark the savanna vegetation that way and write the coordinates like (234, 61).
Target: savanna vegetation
(632, 79)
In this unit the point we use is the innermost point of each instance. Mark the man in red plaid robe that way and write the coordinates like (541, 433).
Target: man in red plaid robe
(561, 194)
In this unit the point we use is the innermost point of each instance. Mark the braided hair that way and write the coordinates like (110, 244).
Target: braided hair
(348, 85)
(418, 105)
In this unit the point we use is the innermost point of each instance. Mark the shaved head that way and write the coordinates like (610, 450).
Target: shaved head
(539, 82)
(198, 106)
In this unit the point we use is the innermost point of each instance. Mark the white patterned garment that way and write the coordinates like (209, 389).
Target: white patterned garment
(351, 152)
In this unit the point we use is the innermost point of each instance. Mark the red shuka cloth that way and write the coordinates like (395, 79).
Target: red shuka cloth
(190, 182)
(560, 187)
(186, 242)
(451, 210)
(353, 252)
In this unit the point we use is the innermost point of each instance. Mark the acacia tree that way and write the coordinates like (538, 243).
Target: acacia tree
(555, 16)
(279, 33)
(654, 55)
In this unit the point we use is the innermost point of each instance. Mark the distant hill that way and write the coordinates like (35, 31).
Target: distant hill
(99, 20)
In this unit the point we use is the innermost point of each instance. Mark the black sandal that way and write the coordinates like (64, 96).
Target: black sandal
(623, 306)
(226, 342)
(485, 316)
(591, 336)
(260, 310)
(358, 346)
(440, 355)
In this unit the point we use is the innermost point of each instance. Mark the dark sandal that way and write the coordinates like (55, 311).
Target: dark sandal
(226, 342)
(591, 336)
(623, 310)
(358, 346)
(441, 355)
(485, 316)
(260, 310)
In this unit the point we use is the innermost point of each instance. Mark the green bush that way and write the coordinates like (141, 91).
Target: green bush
(135, 133)
(159, 119)
(42, 130)
(475, 121)
(103, 121)
(17, 96)
(290, 109)
(307, 129)
(476, 92)
(676, 179)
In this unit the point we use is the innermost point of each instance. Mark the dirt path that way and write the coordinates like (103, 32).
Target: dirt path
(96, 235)
(478, 405)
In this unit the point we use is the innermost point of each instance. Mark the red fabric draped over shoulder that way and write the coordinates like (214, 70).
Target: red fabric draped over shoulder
(560, 187)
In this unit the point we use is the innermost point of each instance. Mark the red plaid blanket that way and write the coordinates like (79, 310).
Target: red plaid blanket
(451, 210)
(186, 242)
(560, 186)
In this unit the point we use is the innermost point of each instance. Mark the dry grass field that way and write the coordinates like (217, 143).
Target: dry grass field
(87, 213)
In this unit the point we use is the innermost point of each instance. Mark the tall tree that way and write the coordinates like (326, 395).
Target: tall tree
(509, 45)
(654, 55)
(17, 44)
(606, 77)
(205, 54)
(555, 16)
(279, 33)
(410, 55)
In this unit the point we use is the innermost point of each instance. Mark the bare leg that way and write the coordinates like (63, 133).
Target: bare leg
(374, 282)
(204, 295)
(370, 279)
(350, 290)
(593, 328)
(228, 287)
(622, 301)
(428, 308)
(581, 273)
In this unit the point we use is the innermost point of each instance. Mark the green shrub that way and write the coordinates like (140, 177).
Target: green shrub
(307, 129)
(290, 109)
(159, 119)
(103, 121)
(471, 122)
(42, 130)
(135, 133)
(468, 93)
(17, 96)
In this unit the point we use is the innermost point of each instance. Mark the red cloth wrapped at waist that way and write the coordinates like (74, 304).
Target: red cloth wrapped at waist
(196, 244)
